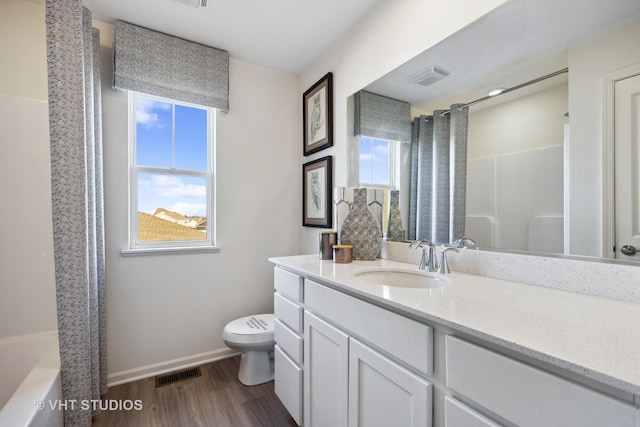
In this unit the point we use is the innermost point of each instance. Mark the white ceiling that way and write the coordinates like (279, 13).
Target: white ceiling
(284, 35)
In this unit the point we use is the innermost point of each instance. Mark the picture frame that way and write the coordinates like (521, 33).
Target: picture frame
(317, 190)
(317, 110)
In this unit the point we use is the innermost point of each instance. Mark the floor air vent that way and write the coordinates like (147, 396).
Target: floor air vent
(175, 377)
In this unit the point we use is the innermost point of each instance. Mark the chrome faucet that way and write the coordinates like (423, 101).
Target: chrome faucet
(466, 243)
(428, 260)
(444, 265)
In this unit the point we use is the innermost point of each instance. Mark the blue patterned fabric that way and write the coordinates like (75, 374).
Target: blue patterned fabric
(76, 178)
(458, 178)
(421, 195)
(159, 64)
(440, 166)
(377, 116)
(437, 205)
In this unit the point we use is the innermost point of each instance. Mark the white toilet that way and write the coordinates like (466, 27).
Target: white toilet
(252, 336)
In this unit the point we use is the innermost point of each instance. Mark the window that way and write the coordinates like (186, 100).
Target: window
(171, 182)
(377, 162)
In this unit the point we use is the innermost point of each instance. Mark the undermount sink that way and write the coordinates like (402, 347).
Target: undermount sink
(402, 278)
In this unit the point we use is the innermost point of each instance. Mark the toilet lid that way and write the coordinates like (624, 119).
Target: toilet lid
(252, 325)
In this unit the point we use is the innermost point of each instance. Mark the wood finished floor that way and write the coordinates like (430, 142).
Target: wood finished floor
(216, 399)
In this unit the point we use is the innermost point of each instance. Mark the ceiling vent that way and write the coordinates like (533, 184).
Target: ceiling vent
(193, 3)
(429, 75)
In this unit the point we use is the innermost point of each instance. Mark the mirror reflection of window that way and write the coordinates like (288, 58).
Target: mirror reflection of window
(377, 162)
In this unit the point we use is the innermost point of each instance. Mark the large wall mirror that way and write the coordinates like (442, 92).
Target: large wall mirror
(539, 174)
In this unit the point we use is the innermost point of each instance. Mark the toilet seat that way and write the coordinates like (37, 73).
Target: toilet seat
(250, 329)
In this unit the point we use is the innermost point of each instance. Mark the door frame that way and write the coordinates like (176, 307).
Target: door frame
(608, 157)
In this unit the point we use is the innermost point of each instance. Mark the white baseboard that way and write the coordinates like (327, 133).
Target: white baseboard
(170, 365)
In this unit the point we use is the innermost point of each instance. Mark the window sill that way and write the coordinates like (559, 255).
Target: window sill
(168, 250)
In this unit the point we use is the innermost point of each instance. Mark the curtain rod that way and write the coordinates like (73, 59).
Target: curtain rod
(511, 89)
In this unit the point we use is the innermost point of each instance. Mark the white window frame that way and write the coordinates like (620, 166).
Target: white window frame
(393, 166)
(209, 244)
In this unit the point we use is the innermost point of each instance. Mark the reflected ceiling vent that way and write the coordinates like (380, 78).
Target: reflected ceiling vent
(193, 3)
(429, 75)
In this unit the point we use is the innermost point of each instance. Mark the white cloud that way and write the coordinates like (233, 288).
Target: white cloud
(186, 195)
(146, 112)
(381, 150)
(377, 154)
(174, 187)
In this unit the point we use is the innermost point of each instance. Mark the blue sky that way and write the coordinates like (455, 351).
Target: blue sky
(171, 142)
(374, 161)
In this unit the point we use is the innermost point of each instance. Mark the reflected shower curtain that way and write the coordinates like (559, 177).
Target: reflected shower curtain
(76, 178)
(438, 175)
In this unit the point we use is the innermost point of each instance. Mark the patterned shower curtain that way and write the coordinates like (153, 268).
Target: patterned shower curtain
(439, 175)
(78, 226)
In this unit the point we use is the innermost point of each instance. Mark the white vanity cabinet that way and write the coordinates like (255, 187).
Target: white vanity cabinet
(382, 393)
(457, 414)
(326, 368)
(527, 396)
(342, 361)
(288, 329)
(347, 382)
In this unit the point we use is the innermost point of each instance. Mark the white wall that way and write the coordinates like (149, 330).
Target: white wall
(166, 307)
(526, 123)
(515, 198)
(391, 34)
(27, 281)
(588, 63)
(23, 50)
(515, 172)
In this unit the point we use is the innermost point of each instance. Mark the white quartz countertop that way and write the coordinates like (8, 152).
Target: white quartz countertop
(594, 337)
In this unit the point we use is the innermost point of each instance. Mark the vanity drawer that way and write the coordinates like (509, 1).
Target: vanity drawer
(457, 414)
(406, 340)
(288, 312)
(528, 396)
(288, 384)
(288, 341)
(288, 284)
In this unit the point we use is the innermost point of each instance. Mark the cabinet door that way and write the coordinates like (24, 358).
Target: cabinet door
(382, 393)
(457, 414)
(326, 364)
(288, 384)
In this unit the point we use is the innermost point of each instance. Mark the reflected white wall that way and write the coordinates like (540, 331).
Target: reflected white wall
(515, 175)
(589, 61)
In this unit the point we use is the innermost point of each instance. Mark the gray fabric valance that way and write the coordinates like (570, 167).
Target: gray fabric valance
(377, 116)
(159, 64)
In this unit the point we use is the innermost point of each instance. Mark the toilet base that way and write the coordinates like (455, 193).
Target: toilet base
(256, 367)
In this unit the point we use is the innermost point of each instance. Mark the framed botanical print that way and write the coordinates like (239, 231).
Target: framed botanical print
(317, 188)
(317, 109)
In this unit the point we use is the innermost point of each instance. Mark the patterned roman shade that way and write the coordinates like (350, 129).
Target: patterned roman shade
(377, 116)
(159, 64)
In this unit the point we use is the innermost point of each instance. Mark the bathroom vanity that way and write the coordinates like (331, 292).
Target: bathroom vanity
(465, 351)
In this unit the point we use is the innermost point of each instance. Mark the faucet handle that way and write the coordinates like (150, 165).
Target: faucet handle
(427, 261)
(420, 243)
(465, 242)
(444, 265)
